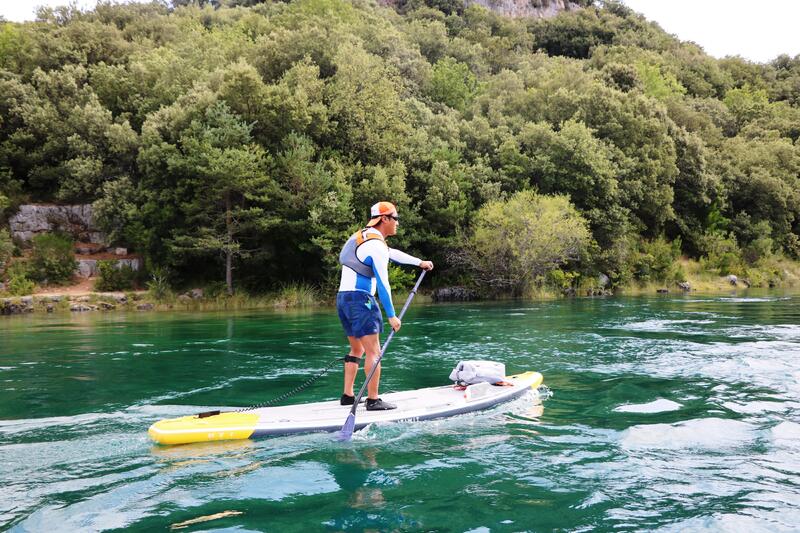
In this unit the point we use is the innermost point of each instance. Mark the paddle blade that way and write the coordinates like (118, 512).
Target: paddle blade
(347, 429)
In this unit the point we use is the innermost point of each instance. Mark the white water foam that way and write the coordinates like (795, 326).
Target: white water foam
(705, 433)
(658, 406)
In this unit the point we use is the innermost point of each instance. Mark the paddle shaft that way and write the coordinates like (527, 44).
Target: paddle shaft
(385, 345)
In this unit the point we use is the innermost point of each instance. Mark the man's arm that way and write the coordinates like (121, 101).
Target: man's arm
(377, 256)
(396, 256)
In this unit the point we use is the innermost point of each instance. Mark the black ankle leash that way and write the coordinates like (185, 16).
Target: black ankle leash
(283, 396)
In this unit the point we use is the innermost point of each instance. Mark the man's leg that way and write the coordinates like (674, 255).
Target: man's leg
(351, 369)
(372, 346)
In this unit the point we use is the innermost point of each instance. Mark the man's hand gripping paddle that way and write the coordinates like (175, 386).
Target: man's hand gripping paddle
(350, 424)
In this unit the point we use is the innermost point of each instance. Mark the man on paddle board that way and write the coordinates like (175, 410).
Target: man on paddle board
(365, 268)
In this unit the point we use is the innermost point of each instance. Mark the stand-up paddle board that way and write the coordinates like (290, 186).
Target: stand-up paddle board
(420, 404)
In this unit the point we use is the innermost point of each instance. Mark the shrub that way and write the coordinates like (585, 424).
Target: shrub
(158, 285)
(722, 254)
(560, 280)
(401, 278)
(114, 276)
(297, 295)
(759, 243)
(6, 249)
(216, 289)
(53, 259)
(656, 260)
(18, 282)
(518, 241)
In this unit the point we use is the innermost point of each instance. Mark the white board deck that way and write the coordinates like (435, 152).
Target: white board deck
(414, 405)
(330, 416)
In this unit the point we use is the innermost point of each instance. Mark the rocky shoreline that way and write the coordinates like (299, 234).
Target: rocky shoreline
(74, 303)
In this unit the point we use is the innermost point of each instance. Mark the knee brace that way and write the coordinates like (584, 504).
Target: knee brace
(352, 359)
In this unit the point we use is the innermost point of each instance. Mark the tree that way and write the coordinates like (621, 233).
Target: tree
(515, 242)
(452, 83)
(226, 188)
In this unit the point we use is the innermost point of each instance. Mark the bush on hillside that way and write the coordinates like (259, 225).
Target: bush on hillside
(6, 249)
(18, 283)
(516, 242)
(656, 260)
(722, 254)
(115, 277)
(53, 259)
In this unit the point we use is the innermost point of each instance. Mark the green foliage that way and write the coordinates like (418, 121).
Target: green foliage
(561, 280)
(574, 33)
(18, 282)
(658, 84)
(6, 249)
(53, 259)
(516, 241)
(722, 254)
(746, 103)
(656, 261)
(452, 84)
(115, 277)
(297, 295)
(247, 139)
(214, 290)
(401, 278)
(158, 285)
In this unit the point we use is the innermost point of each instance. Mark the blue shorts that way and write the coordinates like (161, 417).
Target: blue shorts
(359, 313)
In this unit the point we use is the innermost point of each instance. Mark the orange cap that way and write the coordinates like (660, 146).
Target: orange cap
(378, 210)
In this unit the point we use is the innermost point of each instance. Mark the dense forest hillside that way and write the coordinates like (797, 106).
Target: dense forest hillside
(520, 151)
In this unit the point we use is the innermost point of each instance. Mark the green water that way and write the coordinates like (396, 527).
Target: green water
(668, 414)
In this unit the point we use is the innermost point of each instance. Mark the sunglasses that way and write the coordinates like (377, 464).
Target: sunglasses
(393, 217)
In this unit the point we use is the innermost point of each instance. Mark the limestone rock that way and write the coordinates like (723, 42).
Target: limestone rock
(87, 268)
(733, 280)
(598, 291)
(516, 8)
(76, 220)
(526, 8)
(133, 262)
(685, 286)
(453, 294)
(80, 308)
(10, 306)
(196, 294)
(145, 307)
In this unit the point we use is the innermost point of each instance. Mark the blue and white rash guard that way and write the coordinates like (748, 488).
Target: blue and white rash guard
(376, 254)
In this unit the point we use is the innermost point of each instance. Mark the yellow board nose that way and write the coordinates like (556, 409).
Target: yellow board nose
(188, 429)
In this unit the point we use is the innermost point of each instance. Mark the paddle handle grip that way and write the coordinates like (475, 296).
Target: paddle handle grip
(386, 344)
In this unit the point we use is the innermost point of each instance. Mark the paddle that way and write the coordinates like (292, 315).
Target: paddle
(350, 424)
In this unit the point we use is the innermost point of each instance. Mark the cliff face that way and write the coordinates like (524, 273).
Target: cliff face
(526, 8)
(77, 220)
(516, 8)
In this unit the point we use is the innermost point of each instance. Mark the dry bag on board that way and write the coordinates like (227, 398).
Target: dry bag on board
(470, 372)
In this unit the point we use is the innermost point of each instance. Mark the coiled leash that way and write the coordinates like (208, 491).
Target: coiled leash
(285, 395)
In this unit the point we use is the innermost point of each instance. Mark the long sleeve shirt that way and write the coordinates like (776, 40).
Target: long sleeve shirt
(376, 254)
